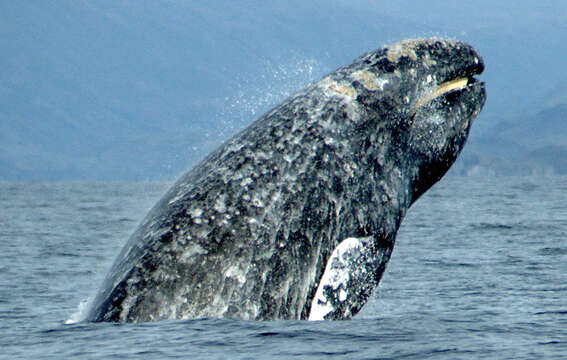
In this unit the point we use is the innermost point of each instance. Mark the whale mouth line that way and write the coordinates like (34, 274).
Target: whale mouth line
(446, 87)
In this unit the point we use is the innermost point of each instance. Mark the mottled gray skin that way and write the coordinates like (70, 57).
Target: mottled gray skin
(247, 233)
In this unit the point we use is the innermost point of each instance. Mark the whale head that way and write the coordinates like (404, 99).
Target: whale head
(424, 92)
(448, 99)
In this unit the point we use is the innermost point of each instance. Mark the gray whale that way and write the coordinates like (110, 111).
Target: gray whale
(295, 217)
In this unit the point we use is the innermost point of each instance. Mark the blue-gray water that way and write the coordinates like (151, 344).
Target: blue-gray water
(479, 271)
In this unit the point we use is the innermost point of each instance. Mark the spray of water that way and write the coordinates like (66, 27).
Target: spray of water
(254, 94)
(274, 82)
(80, 314)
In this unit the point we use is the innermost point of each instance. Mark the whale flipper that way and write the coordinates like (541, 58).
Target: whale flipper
(352, 271)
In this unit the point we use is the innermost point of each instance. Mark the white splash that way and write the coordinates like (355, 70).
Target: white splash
(80, 314)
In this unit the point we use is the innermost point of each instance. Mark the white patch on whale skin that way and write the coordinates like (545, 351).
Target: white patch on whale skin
(192, 251)
(220, 205)
(340, 89)
(346, 94)
(401, 49)
(236, 273)
(337, 274)
(369, 80)
(195, 213)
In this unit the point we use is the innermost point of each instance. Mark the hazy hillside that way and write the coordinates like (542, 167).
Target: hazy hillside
(522, 145)
(139, 89)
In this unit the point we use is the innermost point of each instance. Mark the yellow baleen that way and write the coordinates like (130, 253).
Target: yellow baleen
(446, 87)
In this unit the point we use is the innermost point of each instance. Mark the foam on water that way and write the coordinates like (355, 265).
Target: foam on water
(81, 313)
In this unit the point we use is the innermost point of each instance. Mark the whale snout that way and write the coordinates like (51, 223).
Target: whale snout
(445, 67)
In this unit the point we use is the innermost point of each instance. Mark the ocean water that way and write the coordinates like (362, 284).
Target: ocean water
(479, 271)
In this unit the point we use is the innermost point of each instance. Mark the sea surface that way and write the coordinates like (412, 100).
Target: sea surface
(479, 271)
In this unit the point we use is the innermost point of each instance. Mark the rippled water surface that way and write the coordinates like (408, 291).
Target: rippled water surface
(479, 271)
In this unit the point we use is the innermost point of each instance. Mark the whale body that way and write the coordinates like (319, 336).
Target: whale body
(295, 217)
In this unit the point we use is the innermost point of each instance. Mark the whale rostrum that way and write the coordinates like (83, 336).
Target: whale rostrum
(295, 217)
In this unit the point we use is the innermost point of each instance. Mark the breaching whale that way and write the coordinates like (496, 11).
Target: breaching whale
(295, 217)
